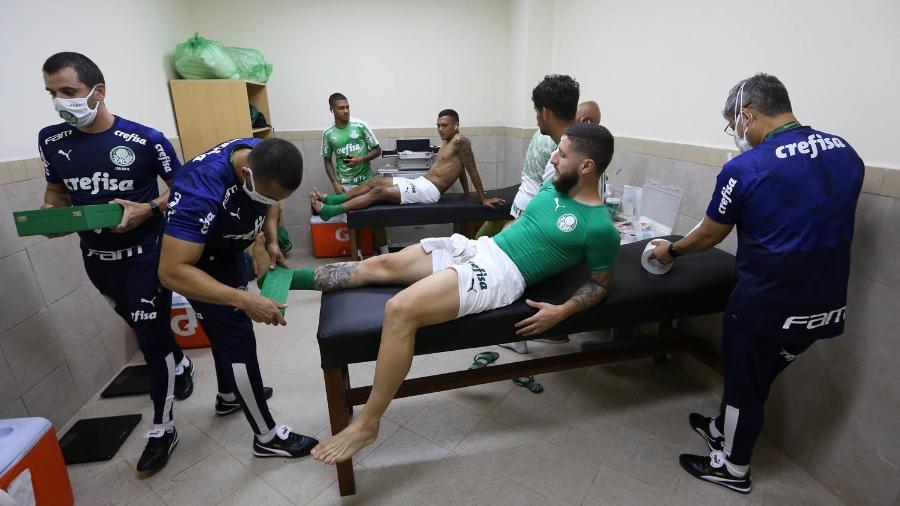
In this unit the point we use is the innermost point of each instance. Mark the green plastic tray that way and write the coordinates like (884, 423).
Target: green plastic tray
(277, 284)
(56, 220)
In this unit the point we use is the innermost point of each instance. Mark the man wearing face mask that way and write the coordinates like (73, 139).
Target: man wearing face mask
(792, 193)
(97, 158)
(220, 201)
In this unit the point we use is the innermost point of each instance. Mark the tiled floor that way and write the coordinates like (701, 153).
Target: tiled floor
(600, 436)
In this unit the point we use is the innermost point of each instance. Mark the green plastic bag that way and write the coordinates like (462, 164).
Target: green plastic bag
(251, 64)
(201, 58)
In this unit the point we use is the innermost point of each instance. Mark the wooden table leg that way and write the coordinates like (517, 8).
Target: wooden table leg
(354, 244)
(336, 393)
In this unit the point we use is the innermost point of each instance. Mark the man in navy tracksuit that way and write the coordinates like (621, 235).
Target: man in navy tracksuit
(792, 194)
(95, 157)
(220, 201)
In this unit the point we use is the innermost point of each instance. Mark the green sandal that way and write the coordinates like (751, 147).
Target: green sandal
(529, 383)
(484, 359)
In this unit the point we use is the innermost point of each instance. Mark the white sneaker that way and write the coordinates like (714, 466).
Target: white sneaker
(520, 347)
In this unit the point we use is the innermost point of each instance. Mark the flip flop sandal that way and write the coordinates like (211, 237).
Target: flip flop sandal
(484, 359)
(529, 383)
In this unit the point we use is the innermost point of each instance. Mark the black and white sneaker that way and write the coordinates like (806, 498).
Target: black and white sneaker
(160, 444)
(286, 443)
(184, 381)
(714, 470)
(700, 424)
(224, 407)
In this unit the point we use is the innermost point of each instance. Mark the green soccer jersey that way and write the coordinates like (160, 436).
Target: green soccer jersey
(556, 232)
(355, 139)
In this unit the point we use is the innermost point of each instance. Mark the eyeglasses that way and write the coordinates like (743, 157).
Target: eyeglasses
(729, 128)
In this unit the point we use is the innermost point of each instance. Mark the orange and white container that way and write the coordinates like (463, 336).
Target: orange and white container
(186, 325)
(332, 238)
(32, 470)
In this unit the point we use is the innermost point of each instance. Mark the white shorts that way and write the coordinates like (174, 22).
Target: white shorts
(487, 278)
(417, 191)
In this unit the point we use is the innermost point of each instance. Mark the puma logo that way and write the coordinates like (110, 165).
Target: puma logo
(236, 214)
(556, 199)
(152, 301)
(65, 154)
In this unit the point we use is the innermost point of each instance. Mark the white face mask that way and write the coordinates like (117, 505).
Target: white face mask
(253, 194)
(75, 111)
(740, 141)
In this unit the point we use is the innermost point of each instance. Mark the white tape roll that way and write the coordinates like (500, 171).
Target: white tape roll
(652, 265)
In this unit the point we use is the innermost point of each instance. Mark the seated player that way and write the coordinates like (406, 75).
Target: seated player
(451, 277)
(453, 161)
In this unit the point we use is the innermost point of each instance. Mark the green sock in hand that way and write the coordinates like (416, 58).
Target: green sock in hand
(303, 279)
(337, 198)
(329, 211)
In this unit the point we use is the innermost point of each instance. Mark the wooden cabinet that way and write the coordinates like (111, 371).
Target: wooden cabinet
(210, 111)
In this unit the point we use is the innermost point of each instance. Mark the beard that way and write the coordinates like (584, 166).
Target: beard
(565, 182)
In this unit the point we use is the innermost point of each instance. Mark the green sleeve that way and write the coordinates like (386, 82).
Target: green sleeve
(602, 248)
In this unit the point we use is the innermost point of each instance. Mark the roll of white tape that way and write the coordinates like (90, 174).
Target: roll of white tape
(652, 265)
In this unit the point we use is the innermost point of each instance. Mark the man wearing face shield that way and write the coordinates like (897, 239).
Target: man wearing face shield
(220, 201)
(95, 157)
(792, 193)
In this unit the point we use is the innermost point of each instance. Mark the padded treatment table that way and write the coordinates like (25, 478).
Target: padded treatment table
(350, 324)
(455, 208)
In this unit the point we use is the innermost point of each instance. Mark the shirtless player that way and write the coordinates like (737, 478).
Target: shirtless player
(454, 160)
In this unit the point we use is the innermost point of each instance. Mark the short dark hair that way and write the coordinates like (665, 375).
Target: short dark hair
(277, 160)
(592, 141)
(334, 97)
(451, 113)
(767, 94)
(559, 93)
(88, 71)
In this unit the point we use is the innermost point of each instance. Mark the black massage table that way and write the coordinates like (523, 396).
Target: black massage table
(350, 328)
(453, 208)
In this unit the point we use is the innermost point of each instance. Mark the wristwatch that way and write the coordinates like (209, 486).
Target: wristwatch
(672, 252)
(154, 207)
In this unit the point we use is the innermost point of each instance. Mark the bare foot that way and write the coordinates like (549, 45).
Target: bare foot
(316, 205)
(346, 443)
(317, 193)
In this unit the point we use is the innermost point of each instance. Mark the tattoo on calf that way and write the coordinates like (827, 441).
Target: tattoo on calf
(335, 276)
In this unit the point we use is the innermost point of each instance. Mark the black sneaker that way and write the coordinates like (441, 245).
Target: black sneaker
(700, 424)
(184, 382)
(224, 407)
(159, 446)
(714, 470)
(286, 443)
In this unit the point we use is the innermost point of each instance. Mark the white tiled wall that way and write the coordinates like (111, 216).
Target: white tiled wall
(59, 340)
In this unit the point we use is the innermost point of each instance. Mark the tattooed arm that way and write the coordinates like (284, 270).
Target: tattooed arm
(592, 292)
(467, 156)
(337, 276)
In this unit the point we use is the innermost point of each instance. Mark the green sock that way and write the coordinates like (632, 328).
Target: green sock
(329, 211)
(337, 198)
(303, 279)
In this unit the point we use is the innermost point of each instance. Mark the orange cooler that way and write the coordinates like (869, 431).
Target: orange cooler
(186, 326)
(332, 238)
(31, 463)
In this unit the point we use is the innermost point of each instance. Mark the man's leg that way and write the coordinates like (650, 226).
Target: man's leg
(146, 307)
(376, 195)
(234, 348)
(356, 191)
(404, 314)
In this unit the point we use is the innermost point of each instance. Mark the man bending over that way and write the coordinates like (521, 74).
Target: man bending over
(565, 224)
(454, 160)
